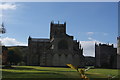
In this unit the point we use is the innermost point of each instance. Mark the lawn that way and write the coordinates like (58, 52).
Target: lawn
(53, 72)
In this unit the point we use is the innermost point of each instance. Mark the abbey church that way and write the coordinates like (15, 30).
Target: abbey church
(59, 50)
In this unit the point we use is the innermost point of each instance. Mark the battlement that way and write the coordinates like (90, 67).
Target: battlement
(57, 29)
(58, 24)
(106, 45)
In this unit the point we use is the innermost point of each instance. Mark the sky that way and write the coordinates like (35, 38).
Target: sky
(60, 0)
(88, 22)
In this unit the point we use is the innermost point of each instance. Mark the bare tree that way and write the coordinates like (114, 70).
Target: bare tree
(2, 29)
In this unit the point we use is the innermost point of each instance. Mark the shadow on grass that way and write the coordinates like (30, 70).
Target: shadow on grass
(55, 79)
(17, 73)
(52, 70)
(22, 68)
(25, 68)
(21, 75)
(41, 79)
(45, 76)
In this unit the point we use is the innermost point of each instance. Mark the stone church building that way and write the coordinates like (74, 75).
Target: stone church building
(105, 56)
(59, 50)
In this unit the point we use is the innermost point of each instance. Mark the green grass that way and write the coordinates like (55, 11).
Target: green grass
(39, 72)
(53, 72)
(102, 73)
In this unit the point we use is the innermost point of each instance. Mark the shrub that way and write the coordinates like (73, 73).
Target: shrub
(21, 64)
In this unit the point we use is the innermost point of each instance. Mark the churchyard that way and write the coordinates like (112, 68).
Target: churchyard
(36, 72)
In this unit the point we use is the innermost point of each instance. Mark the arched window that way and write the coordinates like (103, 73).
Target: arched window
(63, 44)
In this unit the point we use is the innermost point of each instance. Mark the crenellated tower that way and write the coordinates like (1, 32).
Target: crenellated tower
(57, 29)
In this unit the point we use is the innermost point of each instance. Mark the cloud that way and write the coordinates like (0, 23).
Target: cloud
(90, 33)
(105, 34)
(8, 6)
(97, 33)
(88, 48)
(1, 15)
(11, 42)
(97, 41)
(91, 39)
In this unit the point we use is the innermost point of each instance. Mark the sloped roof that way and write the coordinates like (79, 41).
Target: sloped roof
(40, 39)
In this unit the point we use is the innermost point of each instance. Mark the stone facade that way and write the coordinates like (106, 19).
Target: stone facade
(105, 56)
(59, 50)
(89, 61)
(118, 52)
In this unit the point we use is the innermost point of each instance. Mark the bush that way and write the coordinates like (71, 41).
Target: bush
(7, 67)
(21, 64)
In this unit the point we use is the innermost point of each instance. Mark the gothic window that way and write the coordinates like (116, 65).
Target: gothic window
(62, 44)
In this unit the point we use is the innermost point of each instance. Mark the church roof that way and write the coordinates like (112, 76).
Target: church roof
(40, 39)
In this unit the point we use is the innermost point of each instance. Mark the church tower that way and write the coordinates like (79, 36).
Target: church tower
(57, 29)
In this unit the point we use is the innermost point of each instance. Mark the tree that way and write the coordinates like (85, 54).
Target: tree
(14, 55)
(2, 29)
